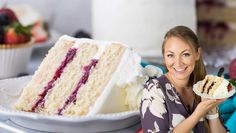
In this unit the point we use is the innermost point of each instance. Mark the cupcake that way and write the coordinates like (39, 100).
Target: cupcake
(27, 15)
(15, 45)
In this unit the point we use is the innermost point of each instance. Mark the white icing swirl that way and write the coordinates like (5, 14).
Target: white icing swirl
(222, 90)
(124, 88)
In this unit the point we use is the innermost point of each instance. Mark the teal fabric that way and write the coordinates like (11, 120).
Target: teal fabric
(230, 124)
(234, 101)
(228, 113)
(226, 117)
(227, 107)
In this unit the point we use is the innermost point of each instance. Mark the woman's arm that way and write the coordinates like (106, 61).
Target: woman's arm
(188, 124)
(216, 124)
(202, 109)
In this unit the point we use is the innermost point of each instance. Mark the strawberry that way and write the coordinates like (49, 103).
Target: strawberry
(16, 33)
(23, 38)
(39, 32)
(11, 37)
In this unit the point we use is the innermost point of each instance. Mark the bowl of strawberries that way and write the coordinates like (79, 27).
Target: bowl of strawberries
(15, 44)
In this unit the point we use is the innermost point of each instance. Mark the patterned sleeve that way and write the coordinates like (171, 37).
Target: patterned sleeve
(154, 115)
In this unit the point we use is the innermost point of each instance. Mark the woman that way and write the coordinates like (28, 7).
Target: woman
(169, 103)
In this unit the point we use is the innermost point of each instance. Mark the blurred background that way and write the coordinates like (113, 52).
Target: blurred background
(61, 15)
(139, 24)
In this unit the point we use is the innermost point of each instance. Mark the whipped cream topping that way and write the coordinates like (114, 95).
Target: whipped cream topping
(222, 90)
(100, 44)
(119, 87)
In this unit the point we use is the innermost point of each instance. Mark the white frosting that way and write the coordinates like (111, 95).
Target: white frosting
(101, 48)
(141, 24)
(134, 93)
(222, 90)
(66, 37)
(123, 78)
(76, 45)
(100, 44)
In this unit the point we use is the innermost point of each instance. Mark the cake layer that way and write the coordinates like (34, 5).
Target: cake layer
(97, 81)
(63, 86)
(212, 35)
(43, 75)
(216, 13)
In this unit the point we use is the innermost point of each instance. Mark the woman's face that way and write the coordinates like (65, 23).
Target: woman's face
(180, 58)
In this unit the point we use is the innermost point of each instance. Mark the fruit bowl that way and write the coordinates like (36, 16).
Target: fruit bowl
(14, 58)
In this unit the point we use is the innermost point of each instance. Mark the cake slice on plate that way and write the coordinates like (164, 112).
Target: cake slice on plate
(214, 86)
(83, 77)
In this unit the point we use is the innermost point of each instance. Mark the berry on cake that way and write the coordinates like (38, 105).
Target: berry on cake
(215, 86)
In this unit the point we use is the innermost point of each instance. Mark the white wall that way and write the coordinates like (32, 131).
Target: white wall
(65, 16)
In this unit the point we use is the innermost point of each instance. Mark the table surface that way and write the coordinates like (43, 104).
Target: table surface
(8, 122)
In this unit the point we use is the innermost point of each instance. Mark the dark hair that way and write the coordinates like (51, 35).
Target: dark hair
(199, 72)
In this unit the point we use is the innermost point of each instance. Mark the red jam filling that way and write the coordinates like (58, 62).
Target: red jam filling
(229, 87)
(69, 57)
(83, 80)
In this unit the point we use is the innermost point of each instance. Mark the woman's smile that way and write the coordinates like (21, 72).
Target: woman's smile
(180, 70)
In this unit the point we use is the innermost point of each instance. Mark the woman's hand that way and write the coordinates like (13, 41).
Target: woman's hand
(207, 106)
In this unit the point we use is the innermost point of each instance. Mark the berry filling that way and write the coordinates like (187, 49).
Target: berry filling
(82, 81)
(69, 57)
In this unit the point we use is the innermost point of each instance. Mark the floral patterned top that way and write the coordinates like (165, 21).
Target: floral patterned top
(162, 109)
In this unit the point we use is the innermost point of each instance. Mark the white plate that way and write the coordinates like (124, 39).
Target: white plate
(10, 90)
(54, 36)
(195, 89)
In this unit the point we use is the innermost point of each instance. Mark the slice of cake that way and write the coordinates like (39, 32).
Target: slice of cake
(214, 86)
(216, 24)
(82, 77)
